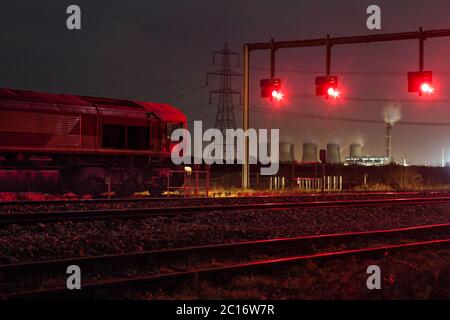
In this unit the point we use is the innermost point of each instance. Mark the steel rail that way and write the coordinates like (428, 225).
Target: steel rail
(154, 199)
(142, 213)
(212, 271)
(218, 247)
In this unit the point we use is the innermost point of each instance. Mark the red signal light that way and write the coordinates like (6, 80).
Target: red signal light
(271, 88)
(327, 87)
(333, 93)
(426, 88)
(421, 82)
(277, 95)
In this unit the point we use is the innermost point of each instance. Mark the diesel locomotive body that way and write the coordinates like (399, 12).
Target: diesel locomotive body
(73, 143)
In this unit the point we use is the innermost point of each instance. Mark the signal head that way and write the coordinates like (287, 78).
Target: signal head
(327, 87)
(271, 88)
(421, 82)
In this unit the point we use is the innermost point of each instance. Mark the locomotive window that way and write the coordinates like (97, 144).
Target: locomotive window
(156, 129)
(138, 138)
(113, 136)
(171, 127)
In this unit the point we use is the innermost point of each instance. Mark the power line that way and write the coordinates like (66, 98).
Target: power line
(185, 93)
(331, 118)
(207, 115)
(318, 72)
(190, 85)
(348, 73)
(169, 82)
(196, 104)
(384, 100)
(360, 99)
(198, 107)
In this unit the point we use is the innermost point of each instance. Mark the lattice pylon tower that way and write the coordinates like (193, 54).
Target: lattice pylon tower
(225, 118)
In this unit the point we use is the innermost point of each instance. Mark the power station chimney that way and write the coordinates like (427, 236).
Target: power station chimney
(389, 141)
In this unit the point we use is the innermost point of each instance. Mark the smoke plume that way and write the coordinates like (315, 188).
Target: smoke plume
(357, 138)
(392, 113)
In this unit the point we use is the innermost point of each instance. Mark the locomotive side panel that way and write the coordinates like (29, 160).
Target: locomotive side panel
(36, 129)
(89, 131)
(74, 143)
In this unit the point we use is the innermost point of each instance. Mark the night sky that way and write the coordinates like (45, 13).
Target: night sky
(129, 47)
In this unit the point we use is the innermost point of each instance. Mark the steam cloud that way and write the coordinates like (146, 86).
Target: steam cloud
(357, 138)
(392, 113)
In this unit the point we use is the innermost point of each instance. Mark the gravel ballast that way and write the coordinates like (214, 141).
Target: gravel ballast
(74, 239)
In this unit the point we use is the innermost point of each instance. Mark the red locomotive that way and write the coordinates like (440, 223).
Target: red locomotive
(77, 143)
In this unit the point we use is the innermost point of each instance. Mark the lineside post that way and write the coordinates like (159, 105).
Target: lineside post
(246, 118)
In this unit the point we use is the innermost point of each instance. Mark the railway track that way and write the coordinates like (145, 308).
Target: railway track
(65, 205)
(144, 199)
(142, 213)
(196, 261)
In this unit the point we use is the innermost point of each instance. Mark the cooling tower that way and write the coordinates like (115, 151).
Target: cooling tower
(309, 152)
(333, 153)
(285, 152)
(356, 150)
(297, 152)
